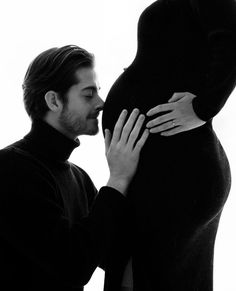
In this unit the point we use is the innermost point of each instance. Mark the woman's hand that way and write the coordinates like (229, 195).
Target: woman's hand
(123, 149)
(181, 116)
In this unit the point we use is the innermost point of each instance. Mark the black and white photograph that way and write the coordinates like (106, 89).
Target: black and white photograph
(118, 148)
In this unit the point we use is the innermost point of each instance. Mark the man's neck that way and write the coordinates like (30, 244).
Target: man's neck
(53, 122)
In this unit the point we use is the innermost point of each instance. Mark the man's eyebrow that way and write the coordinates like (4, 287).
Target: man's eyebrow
(91, 88)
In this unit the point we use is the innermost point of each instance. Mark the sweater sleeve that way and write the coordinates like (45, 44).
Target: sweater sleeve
(218, 20)
(33, 222)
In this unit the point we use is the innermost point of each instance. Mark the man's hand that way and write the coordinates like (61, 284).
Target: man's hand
(180, 117)
(123, 149)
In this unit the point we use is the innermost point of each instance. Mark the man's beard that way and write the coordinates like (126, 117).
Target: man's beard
(75, 125)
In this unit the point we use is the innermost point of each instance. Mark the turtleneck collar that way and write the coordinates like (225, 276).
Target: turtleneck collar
(49, 142)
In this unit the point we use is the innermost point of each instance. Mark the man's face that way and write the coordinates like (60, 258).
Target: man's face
(79, 115)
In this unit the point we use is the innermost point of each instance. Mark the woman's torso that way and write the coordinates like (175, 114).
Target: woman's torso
(182, 181)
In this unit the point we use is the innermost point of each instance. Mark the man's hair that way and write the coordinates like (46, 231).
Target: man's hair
(54, 69)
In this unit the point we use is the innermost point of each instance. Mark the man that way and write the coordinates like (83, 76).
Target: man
(53, 231)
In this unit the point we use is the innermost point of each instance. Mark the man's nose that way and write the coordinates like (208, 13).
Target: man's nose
(100, 104)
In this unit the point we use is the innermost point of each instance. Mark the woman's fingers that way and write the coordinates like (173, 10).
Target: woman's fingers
(173, 131)
(161, 108)
(177, 96)
(161, 119)
(165, 126)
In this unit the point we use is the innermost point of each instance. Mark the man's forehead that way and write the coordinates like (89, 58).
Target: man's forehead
(86, 73)
(87, 78)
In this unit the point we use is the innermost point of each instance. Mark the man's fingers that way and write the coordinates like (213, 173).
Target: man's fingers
(129, 125)
(140, 143)
(136, 130)
(161, 108)
(119, 126)
(107, 139)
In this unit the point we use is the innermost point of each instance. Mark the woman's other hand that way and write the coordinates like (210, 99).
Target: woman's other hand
(180, 117)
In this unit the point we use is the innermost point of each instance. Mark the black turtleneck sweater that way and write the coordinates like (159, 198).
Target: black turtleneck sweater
(53, 232)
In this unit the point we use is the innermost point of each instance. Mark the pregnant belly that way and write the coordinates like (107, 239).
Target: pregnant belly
(145, 89)
(187, 173)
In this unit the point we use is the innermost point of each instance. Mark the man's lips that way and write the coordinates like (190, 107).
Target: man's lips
(94, 116)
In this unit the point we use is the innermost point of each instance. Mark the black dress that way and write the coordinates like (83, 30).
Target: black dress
(182, 181)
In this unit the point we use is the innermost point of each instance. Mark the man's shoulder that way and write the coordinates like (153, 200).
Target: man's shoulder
(19, 165)
(14, 163)
(17, 159)
(7, 153)
(13, 152)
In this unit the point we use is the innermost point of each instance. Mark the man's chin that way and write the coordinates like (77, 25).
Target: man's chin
(93, 131)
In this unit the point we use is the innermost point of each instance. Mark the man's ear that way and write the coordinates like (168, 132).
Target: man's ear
(53, 101)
